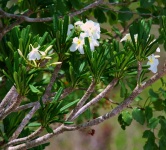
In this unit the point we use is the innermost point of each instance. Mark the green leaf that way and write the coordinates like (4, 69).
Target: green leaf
(68, 122)
(150, 145)
(145, 12)
(58, 94)
(123, 90)
(82, 65)
(76, 3)
(154, 95)
(34, 89)
(125, 14)
(42, 39)
(146, 3)
(49, 129)
(138, 98)
(34, 124)
(9, 65)
(8, 76)
(127, 117)
(15, 76)
(68, 105)
(121, 122)
(55, 24)
(112, 17)
(162, 131)
(65, 28)
(153, 122)
(99, 15)
(10, 45)
(148, 134)
(158, 105)
(148, 113)
(117, 31)
(162, 143)
(16, 61)
(138, 115)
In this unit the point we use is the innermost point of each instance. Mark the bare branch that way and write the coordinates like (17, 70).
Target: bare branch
(26, 106)
(14, 105)
(17, 22)
(43, 139)
(96, 99)
(12, 94)
(92, 5)
(83, 99)
(25, 139)
(47, 19)
(37, 106)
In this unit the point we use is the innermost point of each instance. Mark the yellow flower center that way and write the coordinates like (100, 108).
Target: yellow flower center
(151, 60)
(79, 42)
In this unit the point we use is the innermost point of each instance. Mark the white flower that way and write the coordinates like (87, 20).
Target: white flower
(127, 37)
(34, 54)
(153, 62)
(158, 49)
(93, 42)
(70, 27)
(91, 28)
(77, 44)
(88, 29)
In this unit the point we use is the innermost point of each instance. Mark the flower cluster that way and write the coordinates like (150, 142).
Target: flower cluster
(152, 59)
(89, 29)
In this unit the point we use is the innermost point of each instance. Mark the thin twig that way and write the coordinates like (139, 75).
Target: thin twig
(17, 22)
(139, 72)
(26, 106)
(48, 19)
(96, 99)
(42, 139)
(25, 139)
(83, 99)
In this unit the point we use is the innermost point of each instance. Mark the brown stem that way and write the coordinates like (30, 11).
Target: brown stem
(12, 107)
(12, 94)
(11, 26)
(96, 99)
(83, 99)
(42, 139)
(139, 72)
(25, 139)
